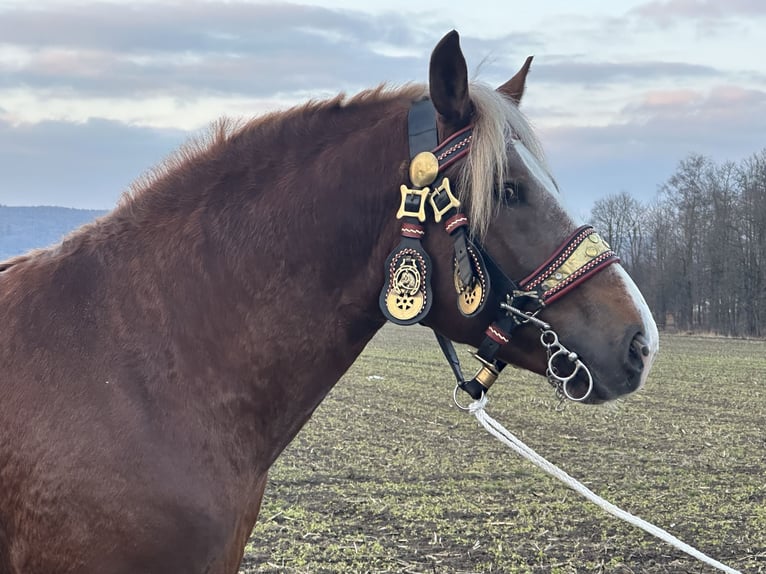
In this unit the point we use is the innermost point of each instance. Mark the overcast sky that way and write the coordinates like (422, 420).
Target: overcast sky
(93, 93)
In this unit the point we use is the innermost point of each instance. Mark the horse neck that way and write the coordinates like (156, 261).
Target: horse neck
(280, 256)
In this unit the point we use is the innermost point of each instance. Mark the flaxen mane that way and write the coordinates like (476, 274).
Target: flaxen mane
(497, 123)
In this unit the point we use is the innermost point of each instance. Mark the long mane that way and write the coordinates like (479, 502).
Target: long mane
(497, 122)
(298, 121)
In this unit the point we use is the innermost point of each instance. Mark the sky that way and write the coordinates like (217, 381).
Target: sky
(93, 93)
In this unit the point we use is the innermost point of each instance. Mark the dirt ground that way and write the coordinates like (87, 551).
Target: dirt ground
(388, 476)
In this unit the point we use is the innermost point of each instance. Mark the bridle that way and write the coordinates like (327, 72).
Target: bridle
(406, 297)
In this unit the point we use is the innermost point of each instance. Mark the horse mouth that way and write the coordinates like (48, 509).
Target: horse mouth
(581, 389)
(584, 389)
(600, 393)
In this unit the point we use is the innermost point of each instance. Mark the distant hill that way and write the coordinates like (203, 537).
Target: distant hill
(25, 228)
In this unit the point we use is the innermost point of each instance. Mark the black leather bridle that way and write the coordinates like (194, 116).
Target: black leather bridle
(406, 297)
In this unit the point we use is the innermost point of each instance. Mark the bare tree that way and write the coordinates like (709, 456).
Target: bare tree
(699, 251)
(620, 219)
(752, 235)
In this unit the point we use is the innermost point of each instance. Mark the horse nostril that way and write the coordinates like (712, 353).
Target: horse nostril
(640, 345)
(637, 350)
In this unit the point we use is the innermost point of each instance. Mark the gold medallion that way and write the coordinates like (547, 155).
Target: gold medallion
(407, 277)
(405, 299)
(404, 307)
(424, 168)
(469, 298)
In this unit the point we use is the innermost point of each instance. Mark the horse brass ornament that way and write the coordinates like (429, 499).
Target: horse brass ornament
(400, 299)
(424, 168)
(469, 299)
(406, 299)
(469, 276)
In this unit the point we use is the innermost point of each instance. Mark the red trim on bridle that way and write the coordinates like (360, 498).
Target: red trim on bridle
(454, 147)
(554, 261)
(413, 230)
(534, 280)
(581, 275)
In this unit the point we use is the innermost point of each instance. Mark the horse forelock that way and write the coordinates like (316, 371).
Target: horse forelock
(497, 122)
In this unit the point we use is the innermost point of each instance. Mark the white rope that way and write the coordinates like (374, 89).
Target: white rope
(498, 431)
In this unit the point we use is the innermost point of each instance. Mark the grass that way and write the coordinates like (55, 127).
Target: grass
(388, 476)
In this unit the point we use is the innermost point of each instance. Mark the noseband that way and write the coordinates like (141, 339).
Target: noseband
(406, 297)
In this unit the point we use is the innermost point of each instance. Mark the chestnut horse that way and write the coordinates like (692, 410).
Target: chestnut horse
(156, 362)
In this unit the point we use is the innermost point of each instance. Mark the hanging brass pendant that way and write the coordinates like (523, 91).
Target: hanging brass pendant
(469, 297)
(404, 307)
(405, 299)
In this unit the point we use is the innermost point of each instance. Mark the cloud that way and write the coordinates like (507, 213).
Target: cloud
(183, 63)
(659, 129)
(729, 110)
(588, 73)
(258, 49)
(193, 48)
(84, 165)
(667, 12)
(192, 26)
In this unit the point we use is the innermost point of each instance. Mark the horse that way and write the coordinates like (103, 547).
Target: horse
(156, 362)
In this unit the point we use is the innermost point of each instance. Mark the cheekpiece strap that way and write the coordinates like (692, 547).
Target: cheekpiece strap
(406, 297)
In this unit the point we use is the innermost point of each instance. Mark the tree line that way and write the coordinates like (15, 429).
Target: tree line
(698, 250)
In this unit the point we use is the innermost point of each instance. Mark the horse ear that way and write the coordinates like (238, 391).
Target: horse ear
(448, 79)
(514, 88)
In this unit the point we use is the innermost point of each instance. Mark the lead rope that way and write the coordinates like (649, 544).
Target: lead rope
(503, 435)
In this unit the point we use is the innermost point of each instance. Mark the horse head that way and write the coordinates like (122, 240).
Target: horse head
(533, 288)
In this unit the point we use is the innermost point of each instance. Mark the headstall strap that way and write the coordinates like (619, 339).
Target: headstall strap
(406, 297)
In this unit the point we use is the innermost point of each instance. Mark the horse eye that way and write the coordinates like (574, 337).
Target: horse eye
(511, 192)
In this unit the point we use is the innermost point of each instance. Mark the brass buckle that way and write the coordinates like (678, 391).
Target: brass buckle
(420, 196)
(453, 201)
